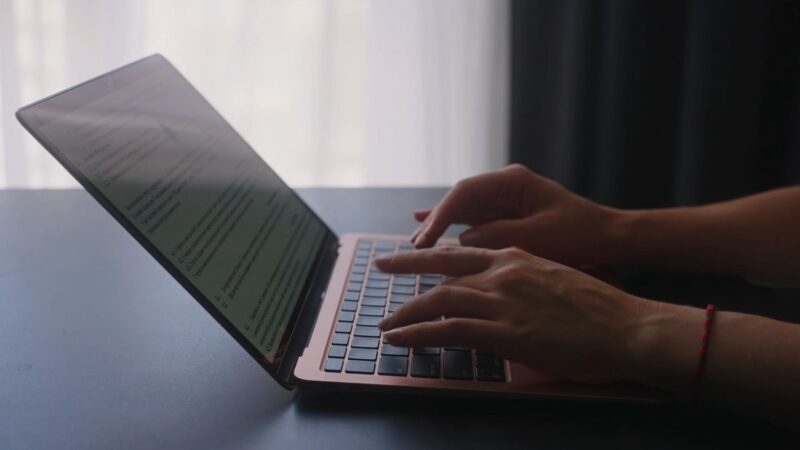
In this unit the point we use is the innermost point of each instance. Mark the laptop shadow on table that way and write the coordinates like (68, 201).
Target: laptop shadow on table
(566, 423)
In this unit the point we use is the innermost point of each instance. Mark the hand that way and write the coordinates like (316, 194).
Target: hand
(515, 207)
(521, 307)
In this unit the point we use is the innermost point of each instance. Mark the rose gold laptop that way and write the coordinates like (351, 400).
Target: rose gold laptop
(302, 301)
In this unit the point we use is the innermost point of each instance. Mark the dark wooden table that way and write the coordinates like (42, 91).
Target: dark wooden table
(100, 348)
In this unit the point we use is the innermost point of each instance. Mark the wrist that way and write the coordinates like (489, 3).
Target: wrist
(623, 227)
(663, 345)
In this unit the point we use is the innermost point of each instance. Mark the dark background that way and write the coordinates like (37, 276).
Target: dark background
(657, 103)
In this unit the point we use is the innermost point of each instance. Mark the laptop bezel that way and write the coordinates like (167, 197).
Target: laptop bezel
(307, 306)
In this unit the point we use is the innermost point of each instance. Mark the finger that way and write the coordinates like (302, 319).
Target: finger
(475, 281)
(451, 261)
(458, 332)
(419, 229)
(448, 301)
(455, 202)
(497, 234)
(476, 200)
(421, 214)
(443, 215)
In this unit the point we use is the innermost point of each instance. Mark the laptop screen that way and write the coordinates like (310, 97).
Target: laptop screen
(152, 147)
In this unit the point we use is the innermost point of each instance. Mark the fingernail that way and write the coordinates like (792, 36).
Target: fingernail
(391, 336)
(419, 229)
(470, 238)
(421, 239)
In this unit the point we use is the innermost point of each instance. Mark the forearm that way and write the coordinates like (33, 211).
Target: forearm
(752, 364)
(756, 236)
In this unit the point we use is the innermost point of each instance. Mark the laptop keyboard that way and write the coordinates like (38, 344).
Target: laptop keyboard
(370, 295)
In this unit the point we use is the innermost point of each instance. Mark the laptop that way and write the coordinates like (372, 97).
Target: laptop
(302, 301)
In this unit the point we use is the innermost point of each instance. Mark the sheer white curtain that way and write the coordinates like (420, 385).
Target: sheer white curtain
(330, 93)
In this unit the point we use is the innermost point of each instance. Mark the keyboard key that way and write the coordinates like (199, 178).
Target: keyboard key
(341, 338)
(347, 316)
(423, 288)
(426, 366)
(457, 373)
(378, 276)
(488, 361)
(406, 246)
(426, 351)
(364, 244)
(393, 307)
(491, 374)
(363, 253)
(357, 278)
(404, 281)
(371, 311)
(363, 353)
(360, 261)
(364, 331)
(385, 245)
(351, 296)
(458, 365)
(430, 279)
(369, 321)
(403, 290)
(378, 284)
(334, 365)
(373, 301)
(365, 342)
(459, 349)
(344, 327)
(382, 293)
(358, 270)
(359, 366)
(349, 306)
(337, 351)
(354, 287)
(400, 298)
(389, 349)
(393, 365)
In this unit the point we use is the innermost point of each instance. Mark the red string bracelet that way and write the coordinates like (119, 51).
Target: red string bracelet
(701, 363)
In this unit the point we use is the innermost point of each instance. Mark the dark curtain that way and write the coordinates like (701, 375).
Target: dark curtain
(656, 103)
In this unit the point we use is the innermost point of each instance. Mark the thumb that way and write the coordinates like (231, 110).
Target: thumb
(497, 234)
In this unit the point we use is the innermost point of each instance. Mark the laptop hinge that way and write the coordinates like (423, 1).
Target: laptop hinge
(307, 318)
